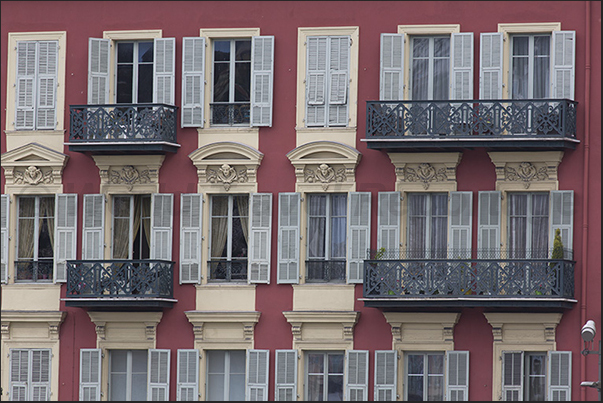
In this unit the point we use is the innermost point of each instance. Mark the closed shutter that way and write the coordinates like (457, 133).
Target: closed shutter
(339, 66)
(512, 372)
(162, 206)
(40, 374)
(491, 65)
(19, 375)
(90, 374)
(98, 70)
(65, 234)
(93, 230)
(163, 70)
(488, 228)
(560, 376)
(388, 221)
(257, 375)
(461, 79)
(386, 374)
(391, 86)
(316, 80)
(457, 375)
(285, 375)
(562, 217)
(25, 85)
(158, 375)
(461, 212)
(359, 234)
(262, 72)
(48, 54)
(4, 219)
(288, 238)
(356, 384)
(259, 237)
(30, 374)
(563, 64)
(193, 81)
(188, 375)
(191, 212)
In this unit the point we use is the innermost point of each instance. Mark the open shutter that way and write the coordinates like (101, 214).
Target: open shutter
(488, 228)
(257, 375)
(193, 81)
(48, 54)
(162, 206)
(386, 374)
(262, 72)
(491, 65)
(65, 231)
(388, 221)
(339, 66)
(562, 217)
(159, 375)
(93, 230)
(25, 85)
(188, 375)
(40, 374)
(163, 70)
(560, 376)
(191, 209)
(461, 211)
(512, 372)
(4, 219)
(391, 86)
(461, 78)
(563, 64)
(285, 375)
(356, 384)
(259, 237)
(19, 372)
(316, 80)
(457, 375)
(359, 235)
(288, 238)
(98, 70)
(90, 374)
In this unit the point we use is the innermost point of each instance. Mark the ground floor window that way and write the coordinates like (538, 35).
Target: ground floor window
(226, 375)
(324, 375)
(128, 375)
(425, 376)
(29, 374)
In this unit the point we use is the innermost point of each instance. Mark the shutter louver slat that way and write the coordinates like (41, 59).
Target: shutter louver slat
(98, 70)
(461, 66)
(158, 375)
(163, 70)
(386, 365)
(193, 81)
(65, 234)
(257, 375)
(262, 67)
(4, 230)
(285, 375)
(259, 237)
(392, 67)
(563, 64)
(460, 225)
(161, 226)
(488, 236)
(359, 234)
(288, 238)
(90, 373)
(191, 206)
(93, 229)
(388, 221)
(356, 384)
(188, 375)
(457, 375)
(491, 64)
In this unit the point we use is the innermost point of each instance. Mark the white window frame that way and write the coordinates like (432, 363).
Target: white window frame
(226, 373)
(425, 374)
(29, 384)
(431, 58)
(327, 217)
(429, 217)
(131, 222)
(135, 63)
(529, 220)
(128, 372)
(531, 63)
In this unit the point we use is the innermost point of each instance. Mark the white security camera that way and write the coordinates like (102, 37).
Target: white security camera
(589, 330)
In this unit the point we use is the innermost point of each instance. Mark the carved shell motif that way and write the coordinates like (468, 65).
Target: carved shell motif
(325, 175)
(226, 175)
(526, 172)
(425, 173)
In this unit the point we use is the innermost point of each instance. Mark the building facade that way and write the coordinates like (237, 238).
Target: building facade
(300, 200)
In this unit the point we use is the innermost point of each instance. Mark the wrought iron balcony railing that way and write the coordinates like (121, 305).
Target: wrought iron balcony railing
(230, 114)
(227, 270)
(325, 271)
(30, 270)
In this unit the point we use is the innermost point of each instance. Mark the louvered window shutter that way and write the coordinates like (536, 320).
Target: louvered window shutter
(19, 373)
(391, 87)
(25, 85)
(461, 79)
(285, 375)
(93, 230)
(339, 67)
(193, 81)
(457, 375)
(259, 237)
(356, 384)
(40, 374)
(562, 217)
(98, 70)
(316, 80)
(90, 374)
(65, 231)
(288, 238)
(4, 219)
(158, 375)
(188, 375)
(191, 209)
(257, 375)
(512, 370)
(563, 64)
(48, 54)
(461, 211)
(262, 72)
(163, 70)
(560, 376)
(491, 65)
(488, 228)
(359, 234)
(388, 221)
(386, 374)
(161, 226)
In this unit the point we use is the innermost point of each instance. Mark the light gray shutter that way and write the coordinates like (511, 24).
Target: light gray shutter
(4, 219)
(285, 375)
(158, 375)
(90, 374)
(93, 230)
(19, 373)
(188, 375)
(391, 86)
(25, 85)
(191, 212)
(65, 231)
(162, 206)
(386, 374)
(262, 72)
(488, 227)
(257, 375)
(512, 373)
(461, 212)
(563, 64)
(288, 238)
(260, 205)
(356, 375)
(388, 221)
(40, 374)
(461, 77)
(491, 65)
(457, 375)
(193, 81)
(98, 70)
(562, 217)
(163, 70)
(560, 376)
(316, 80)
(359, 234)
(48, 54)
(339, 66)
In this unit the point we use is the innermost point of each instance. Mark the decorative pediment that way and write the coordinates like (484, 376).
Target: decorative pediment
(132, 173)
(34, 168)
(517, 171)
(425, 171)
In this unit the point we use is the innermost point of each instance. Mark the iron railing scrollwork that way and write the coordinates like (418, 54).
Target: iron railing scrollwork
(230, 114)
(325, 270)
(227, 270)
(30, 270)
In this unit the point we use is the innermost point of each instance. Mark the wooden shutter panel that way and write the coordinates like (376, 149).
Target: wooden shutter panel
(391, 86)
(25, 85)
(512, 372)
(163, 70)
(259, 237)
(461, 77)
(162, 206)
(359, 234)
(98, 70)
(19, 375)
(93, 230)
(356, 384)
(40, 376)
(488, 228)
(288, 237)
(285, 375)
(257, 375)
(316, 80)
(48, 54)
(188, 375)
(159, 375)
(4, 228)
(65, 231)
(262, 72)
(562, 217)
(457, 375)
(560, 376)
(191, 212)
(386, 374)
(563, 64)
(90, 374)
(491, 65)
(388, 221)
(193, 81)
(461, 212)
(339, 66)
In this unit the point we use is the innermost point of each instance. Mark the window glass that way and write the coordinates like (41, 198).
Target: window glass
(134, 72)
(530, 66)
(528, 225)
(226, 375)
(425, 376)
(128, 375)
(324, 375)
(430, 64)
(536, 377)
(427, 225)
(131, 227)
(35, 231)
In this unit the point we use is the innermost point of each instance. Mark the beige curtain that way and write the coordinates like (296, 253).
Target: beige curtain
(243, 205)
(27, 213)
(146, 223)
(47, 212)
(219, 225)
(121, 227)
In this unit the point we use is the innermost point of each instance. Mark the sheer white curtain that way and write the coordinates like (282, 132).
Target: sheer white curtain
(219, 225)
(121, 227)
(338, 226)
(530, 57)
(430, 68)
(317, 226)
(528, 225)
(427, 225)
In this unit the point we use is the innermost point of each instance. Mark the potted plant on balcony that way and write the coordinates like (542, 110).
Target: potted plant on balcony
(556, 255)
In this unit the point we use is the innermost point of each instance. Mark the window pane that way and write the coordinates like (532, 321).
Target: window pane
(335, 363)
(315, 363)
(139, 387)
(335, 388)
(435, 364)
(243, 50)
(125, 52)
(242, 82)
(221, 51)
(145, 83)
(520, 78)
(221, 82)
(541, 77)
(441, 73)
(521, 45)
(415, 388)
(145, 52)
(124, 84)
(441, 47)
(117, 384)
(435, 388)
(415, 364)
(315, 388)
(420, 79)
(542, 45)
(420, 47)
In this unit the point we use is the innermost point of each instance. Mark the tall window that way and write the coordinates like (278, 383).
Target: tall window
(30, 374)
(430, 67)
(35, 234)
(530, 66)
(226, 375)
(128, 375)
(425, 376)
(528, 225)
(131, 227)
(324, 376)
(427, 225)
(134, 72)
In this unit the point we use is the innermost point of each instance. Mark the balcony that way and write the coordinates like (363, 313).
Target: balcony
(495, 279)
(529, 125)
(123, 128)
(234, 270)
(120, 284)
(325, 271)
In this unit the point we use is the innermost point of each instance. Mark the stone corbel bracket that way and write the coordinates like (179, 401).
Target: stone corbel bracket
(49, 319)
(526, 170)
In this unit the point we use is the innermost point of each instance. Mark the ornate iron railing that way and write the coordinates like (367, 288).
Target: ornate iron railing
(122, 123)
(28, 270)
(325, 270)
(230, 114)
(533, 117)
(120, 278)
(228, 270)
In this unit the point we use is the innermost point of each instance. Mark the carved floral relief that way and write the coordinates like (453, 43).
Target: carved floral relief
(32, 175)
(227, 175)
(324, 174)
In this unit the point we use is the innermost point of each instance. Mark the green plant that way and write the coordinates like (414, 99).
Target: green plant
(379, 254)
(557, 246)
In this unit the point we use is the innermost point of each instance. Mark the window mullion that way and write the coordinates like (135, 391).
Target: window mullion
(229, 227)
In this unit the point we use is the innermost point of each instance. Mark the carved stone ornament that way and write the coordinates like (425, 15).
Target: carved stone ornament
(325, 175)
(425, 173)
(32, 175)
(129, 176)
(227, 175)
(526, 173)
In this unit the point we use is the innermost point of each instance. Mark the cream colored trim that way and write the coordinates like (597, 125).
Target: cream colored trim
(40, 296)
(322, 329)
(343, 135)
(243, 135)
(53, 139)
(225, 297)
(315, 297)
(129, 173)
